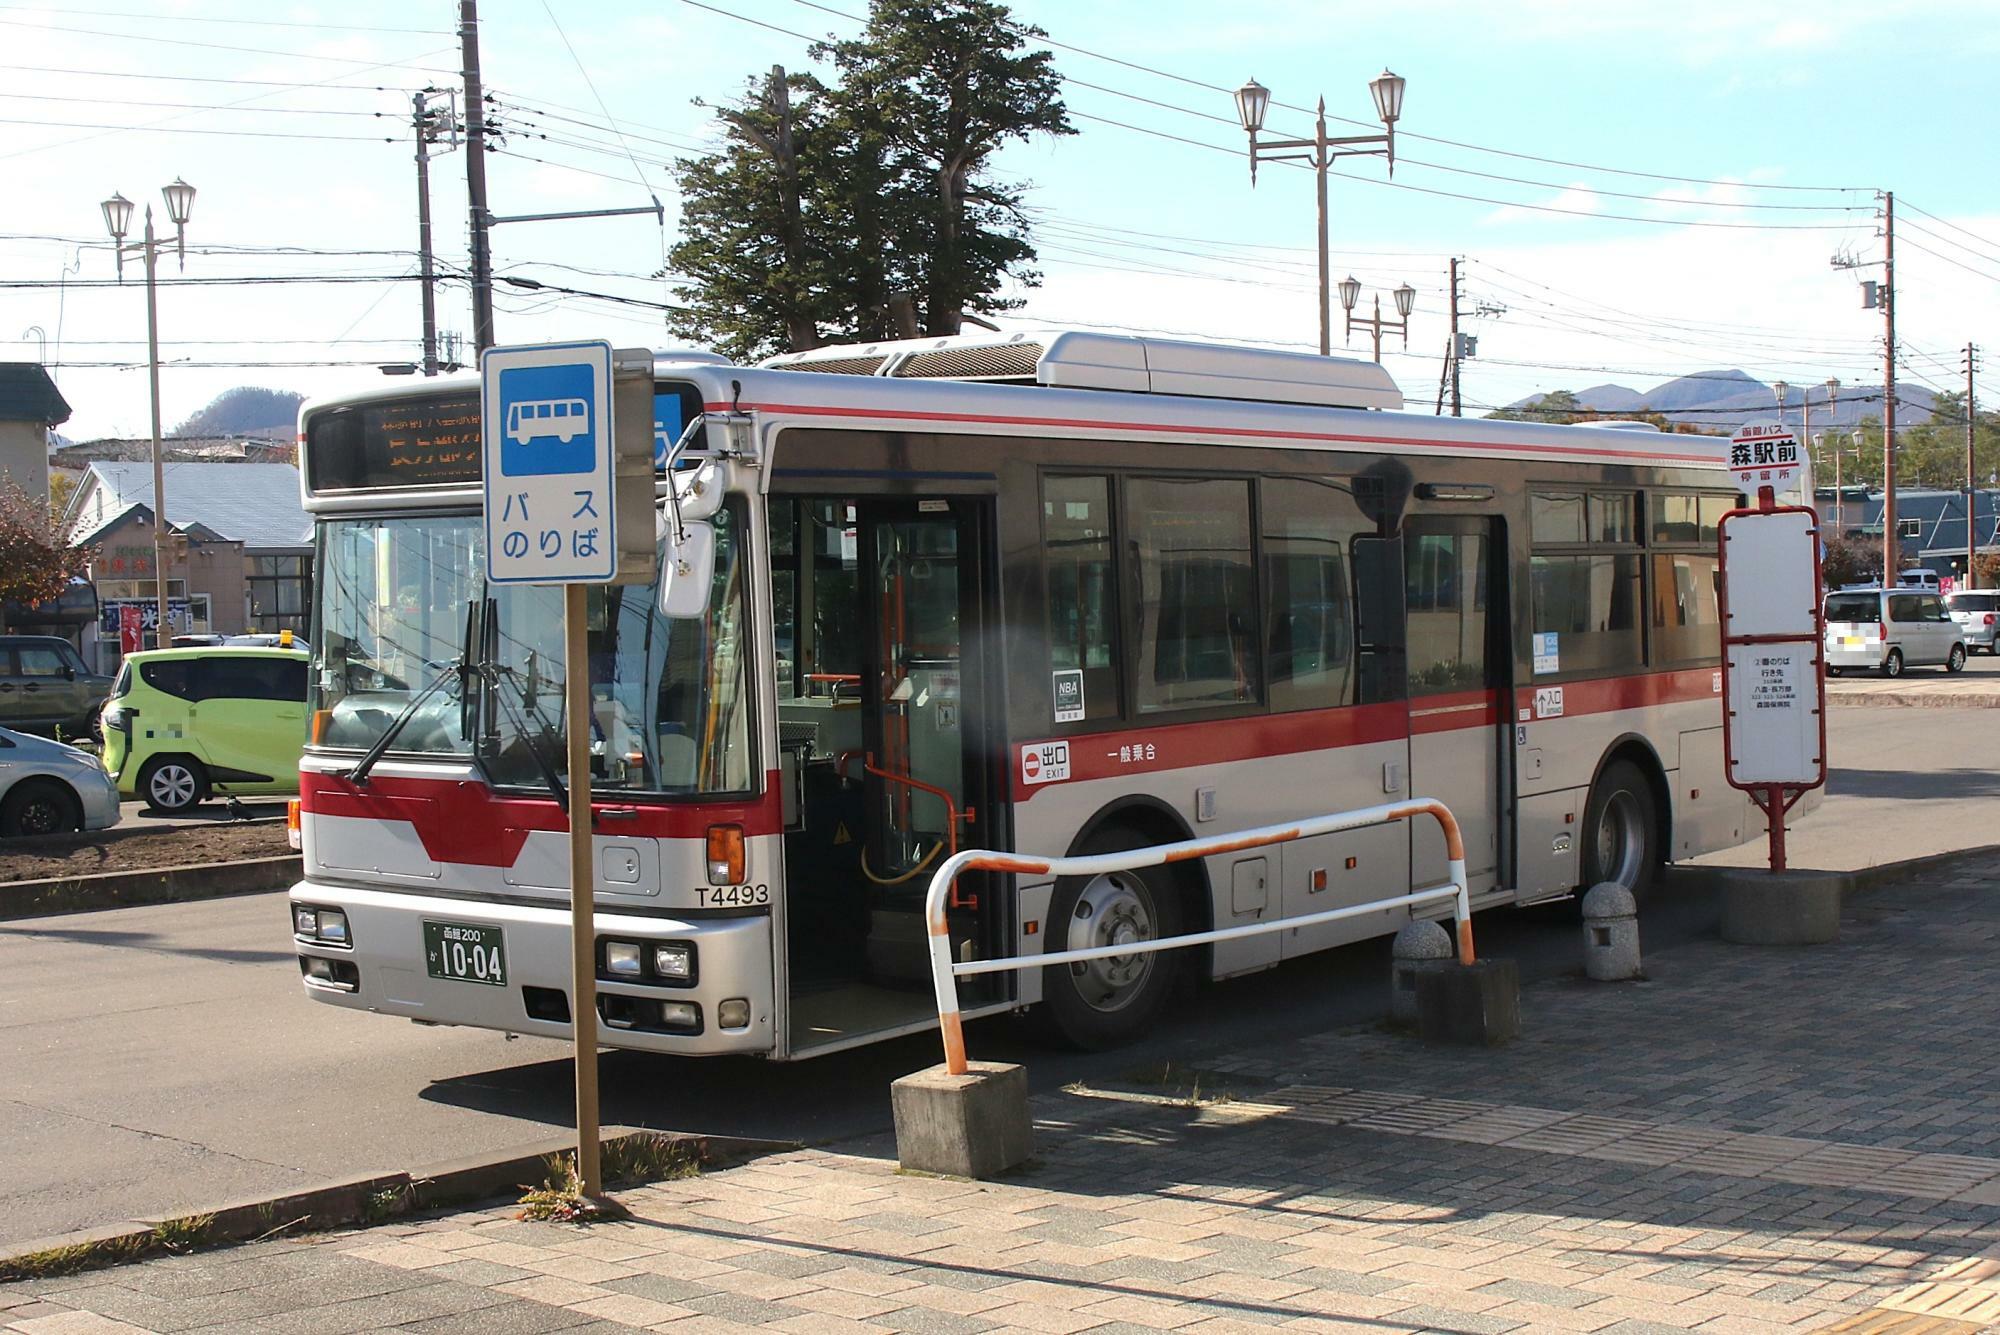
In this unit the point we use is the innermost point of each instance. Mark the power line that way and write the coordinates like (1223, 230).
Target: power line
(156, 17)
(190, 106)
(189, 129)
(217, 46)
(196, 78)
(1955, 227)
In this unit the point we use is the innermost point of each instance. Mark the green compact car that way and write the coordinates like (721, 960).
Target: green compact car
(184, 724)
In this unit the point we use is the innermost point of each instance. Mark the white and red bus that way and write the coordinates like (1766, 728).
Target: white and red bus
(1052, 593)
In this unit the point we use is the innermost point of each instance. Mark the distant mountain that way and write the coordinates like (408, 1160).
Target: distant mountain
(1724, 400)
(246, 411)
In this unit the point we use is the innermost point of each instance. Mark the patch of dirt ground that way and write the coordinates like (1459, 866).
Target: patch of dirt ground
(138, 849)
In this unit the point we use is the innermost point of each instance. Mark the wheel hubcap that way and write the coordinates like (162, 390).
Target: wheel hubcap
(40, 818)
(1114, 910)
(173, 786)
(1620, 841)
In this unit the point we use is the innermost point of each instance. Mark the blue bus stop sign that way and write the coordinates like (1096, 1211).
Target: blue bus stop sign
(548, 463)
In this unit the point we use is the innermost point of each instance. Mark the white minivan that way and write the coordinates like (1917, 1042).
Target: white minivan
(1887, 630)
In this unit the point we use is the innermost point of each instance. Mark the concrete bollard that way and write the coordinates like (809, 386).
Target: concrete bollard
(1610, 933)
(1418, 946)
(1473, 1004)
(971, 1125)
(1781, 908)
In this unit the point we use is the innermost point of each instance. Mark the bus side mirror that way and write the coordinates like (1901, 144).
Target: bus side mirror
(687, 567)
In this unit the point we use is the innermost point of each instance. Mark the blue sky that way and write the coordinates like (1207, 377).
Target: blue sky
(1138, 230)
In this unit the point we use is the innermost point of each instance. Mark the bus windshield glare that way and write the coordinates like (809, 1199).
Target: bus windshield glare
(669, 702)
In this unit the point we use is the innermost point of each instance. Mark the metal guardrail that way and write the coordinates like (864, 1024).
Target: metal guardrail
(945, 972)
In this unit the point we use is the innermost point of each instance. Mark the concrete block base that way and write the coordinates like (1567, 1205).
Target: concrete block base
(1477, 1004)
(1785, 908)
(971, 1125)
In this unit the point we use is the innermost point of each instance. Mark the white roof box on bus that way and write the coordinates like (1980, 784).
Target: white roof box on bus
(1076, 359)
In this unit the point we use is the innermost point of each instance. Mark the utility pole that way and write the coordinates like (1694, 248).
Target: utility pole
(1891, 544)
(429, 132)
(1456, 351)
(1971, 476)
(475, 177)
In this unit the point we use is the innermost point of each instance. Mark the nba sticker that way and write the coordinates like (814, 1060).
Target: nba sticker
(1044, 762)
(1066, 686)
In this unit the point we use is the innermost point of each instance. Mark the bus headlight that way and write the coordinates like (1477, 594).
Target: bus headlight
(333, 927)
(680, 1014)
(320, 925)
(675, 960)
(624, 957)
(305, 921)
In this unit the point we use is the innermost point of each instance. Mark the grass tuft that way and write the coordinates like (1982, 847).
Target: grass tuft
(183, 1234)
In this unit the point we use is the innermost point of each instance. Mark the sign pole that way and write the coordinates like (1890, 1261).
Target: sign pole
(582, 878)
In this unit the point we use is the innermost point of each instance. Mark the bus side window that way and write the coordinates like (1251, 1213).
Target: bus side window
(1190, 540)
(1081, 587)
(1309, 617)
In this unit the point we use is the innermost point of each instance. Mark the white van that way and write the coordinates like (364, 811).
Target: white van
(1887, 630)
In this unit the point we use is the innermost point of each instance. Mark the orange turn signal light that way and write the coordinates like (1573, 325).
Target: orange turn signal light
(725, 854)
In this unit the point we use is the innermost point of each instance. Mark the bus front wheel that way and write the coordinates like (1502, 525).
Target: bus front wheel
(1102, 1003)
(1621, 830)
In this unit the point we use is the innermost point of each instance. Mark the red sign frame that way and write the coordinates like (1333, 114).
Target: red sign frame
(1775, 799)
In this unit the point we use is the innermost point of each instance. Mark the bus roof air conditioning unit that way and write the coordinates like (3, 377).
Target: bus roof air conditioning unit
(1078, 359)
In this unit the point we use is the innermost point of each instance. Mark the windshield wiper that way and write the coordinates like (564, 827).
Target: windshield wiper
(492, 673)
(358, 776)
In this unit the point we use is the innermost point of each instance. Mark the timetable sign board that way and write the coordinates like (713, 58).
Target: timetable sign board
(549, 463)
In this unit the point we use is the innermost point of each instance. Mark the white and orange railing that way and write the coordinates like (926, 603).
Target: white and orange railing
(945, 972)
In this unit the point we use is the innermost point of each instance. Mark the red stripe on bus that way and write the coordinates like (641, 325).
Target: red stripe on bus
(1184, 745)
(1261, 433)
(464, 821)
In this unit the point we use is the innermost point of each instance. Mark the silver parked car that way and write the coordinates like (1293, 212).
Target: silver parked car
(1887, 630)
(1977, 612)
(47, 787)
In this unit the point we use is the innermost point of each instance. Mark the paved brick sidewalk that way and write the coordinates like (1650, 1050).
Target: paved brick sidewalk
(1755, 1140)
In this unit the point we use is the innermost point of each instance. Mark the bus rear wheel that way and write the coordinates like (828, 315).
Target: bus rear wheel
(1621, 830)
(1103, 1003)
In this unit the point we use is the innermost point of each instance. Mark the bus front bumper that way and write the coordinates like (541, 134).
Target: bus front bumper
(391, 966)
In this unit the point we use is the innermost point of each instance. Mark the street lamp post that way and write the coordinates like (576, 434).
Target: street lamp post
(1253, 100)
(1833, 426)
(118, 220)
(1406, 301)
(1783, 392)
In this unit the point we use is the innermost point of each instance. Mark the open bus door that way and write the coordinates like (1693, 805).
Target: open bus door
(883, 602)
(1454, 571)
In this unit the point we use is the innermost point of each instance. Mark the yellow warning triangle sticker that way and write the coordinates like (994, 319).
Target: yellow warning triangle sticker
(841, 836)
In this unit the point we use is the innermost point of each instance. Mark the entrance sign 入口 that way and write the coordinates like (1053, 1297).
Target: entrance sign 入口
(1773, 657)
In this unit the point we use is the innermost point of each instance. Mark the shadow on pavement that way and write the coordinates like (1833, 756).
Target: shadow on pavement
(147, 941)
(1920, 785)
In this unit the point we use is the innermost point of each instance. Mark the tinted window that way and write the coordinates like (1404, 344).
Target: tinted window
(1309, 614)
(1591, 603)
(1688, 518)
(1558, 516)
(171, 676)
(249, 679)
(40, 660)
(1445, 580)
(1854, 607)
(1083, 609)
(1613, 517)
(1906, 607)
(1197, 643)
(1973, 602)
(1686, 621)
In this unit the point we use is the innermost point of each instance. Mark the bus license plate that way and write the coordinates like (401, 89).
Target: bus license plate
(464, 953)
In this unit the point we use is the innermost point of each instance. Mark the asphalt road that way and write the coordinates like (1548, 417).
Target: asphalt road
(162, 1059)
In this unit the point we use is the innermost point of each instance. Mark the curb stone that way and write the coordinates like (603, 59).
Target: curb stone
(357, 1201)
(154, 885)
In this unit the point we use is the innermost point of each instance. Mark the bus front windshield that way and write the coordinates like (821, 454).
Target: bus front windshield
(398, 598)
